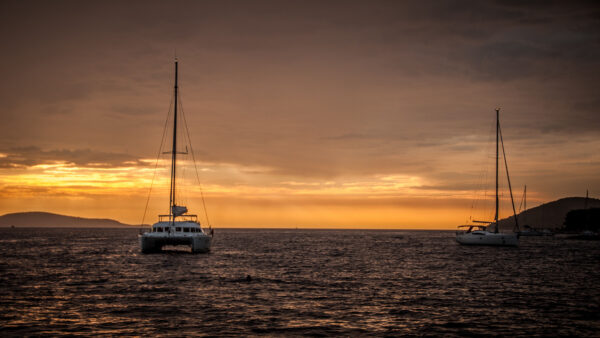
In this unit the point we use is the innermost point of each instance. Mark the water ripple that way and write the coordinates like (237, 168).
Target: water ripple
(319, 283)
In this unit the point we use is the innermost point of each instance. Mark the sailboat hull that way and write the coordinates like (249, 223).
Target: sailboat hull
(151, 242)
(487, 238)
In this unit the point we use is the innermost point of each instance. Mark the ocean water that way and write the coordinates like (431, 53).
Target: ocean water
(303, 282)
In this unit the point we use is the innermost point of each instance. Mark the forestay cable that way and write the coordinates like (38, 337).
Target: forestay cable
(162, 140)
(194, 160)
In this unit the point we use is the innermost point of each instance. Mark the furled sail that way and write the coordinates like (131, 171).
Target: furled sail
(178, 210)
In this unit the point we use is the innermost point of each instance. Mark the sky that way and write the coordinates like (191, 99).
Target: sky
(328, 114)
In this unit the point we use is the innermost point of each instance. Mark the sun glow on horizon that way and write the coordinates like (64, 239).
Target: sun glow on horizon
(237, 196)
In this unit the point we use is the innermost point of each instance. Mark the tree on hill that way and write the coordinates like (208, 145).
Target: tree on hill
(582, 220)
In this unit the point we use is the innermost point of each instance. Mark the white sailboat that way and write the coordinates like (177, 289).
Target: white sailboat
(481, 234)
(176, 228)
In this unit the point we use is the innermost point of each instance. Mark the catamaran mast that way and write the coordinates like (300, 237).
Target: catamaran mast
(497, 135)
(174, 151)
(525, 198)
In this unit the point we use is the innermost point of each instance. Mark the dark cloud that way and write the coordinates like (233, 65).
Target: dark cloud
(31, 156)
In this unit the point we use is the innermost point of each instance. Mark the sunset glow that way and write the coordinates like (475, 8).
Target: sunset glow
(239, 196)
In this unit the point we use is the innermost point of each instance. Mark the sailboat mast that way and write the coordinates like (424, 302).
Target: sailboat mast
(497, 135)
(524, 204)
(525, 198)
(174, 150)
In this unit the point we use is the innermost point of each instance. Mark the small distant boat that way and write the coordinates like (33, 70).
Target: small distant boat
(480, 234)
(528, 230)
(586, 235)
(176, 228)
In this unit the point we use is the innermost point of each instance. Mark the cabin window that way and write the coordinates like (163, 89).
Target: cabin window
(178, 229)
(159, 229)
(186, 229)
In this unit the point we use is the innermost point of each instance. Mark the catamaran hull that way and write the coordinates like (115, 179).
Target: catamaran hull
(198, 244)
(490, 238)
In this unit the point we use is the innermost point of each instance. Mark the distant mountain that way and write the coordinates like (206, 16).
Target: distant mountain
(549, 215)
(46, 219)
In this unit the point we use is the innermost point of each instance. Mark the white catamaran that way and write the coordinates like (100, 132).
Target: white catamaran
(176, 228)
(481, 234)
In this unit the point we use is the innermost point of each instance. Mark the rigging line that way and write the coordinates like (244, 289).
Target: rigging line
(162, 140)
(488, 210)
(488, 153)
(480, 191)
(509, 186)
(521, 203)
(194, 160)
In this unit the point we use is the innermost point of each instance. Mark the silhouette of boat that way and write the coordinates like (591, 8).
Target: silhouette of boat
(586, 235)
(480, 234)
(529, 231)
(176, 228)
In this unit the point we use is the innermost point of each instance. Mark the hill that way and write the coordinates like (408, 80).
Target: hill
(50, 220)
(549, 215)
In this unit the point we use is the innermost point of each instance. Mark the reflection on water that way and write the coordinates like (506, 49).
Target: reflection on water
(309, 282)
